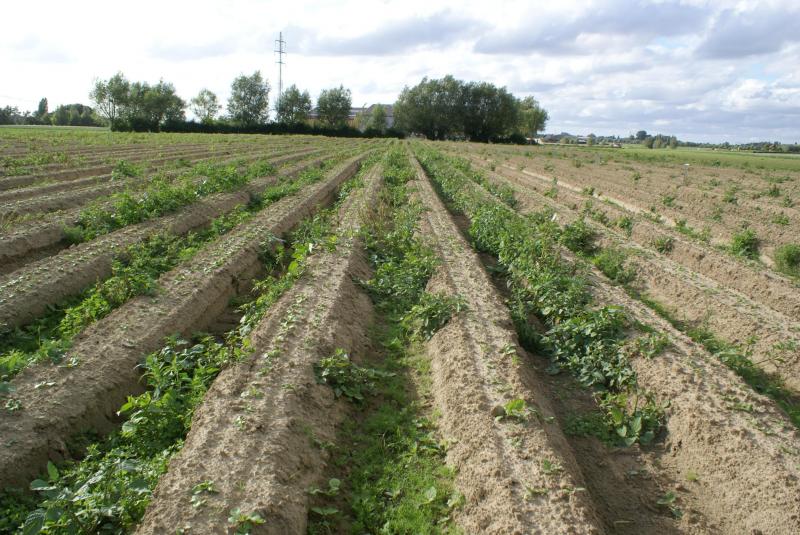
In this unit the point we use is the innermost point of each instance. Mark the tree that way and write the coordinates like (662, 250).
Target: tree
(74, 114)
(205, 106)
(532, 117)
(293, 106)
(60, 117)
(161, 104)
(333, 106)
(9, 115)
(450, 108)
(377, 120)
(673, 142)
(248, 104)
(641, 135)
(109, 96)
(648, 142)
(591, 139)
(433, 108)
(75, 118)
(136, 105)
(487, 111)
(361, 120)
(41, 112)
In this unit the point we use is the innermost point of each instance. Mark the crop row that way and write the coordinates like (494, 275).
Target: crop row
(111, 486)
(52, 279)
(98, 372)
(126, 168)
(754, 333)
(692, 399)
(128, 179)
(58, 230)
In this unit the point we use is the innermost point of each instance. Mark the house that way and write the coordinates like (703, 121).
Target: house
(367, 112)
(313, 116)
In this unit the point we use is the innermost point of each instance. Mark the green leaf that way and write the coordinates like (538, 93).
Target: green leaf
(430, 495)
(52, 471)
(325, 511)
(53, 514)
(636, 424)
(34, 523)
(140, 485)
(39, 484)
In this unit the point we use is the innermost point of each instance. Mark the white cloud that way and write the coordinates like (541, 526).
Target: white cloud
(694, 68)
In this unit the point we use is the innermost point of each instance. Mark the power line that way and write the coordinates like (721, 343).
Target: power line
(280, 50)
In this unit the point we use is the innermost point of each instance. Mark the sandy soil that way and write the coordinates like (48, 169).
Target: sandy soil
(746, 460)
(87, 395)
(267, 463)
(754, 281)
(24, 241)
(58, 200)
(696, 200)
(498, 463)
(26, 293)
(691, 295)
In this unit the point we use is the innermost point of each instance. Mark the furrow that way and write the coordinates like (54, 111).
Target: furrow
(761, 285)
(731, 315)
(47, 233)
(50, 187)
(743, 448)
(100, 370)
(267, 461)
(28, 292)
(71, 174)
(68, 199)
(501, 464)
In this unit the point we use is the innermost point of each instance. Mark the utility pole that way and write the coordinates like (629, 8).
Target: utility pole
(280, 49)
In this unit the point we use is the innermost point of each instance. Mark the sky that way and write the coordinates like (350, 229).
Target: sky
(702, 70)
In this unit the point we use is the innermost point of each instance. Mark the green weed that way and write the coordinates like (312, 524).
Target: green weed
(664, 244)
(398, 482)
(745, 244)
(586, 340)
(345, 377)
(578, 237)
(612, 263)
(431, 313)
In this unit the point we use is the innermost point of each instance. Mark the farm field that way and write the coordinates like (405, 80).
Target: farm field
(300, 334)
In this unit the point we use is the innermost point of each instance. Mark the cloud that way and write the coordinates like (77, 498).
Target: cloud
(694, 68)
(613, 20)
(739, 34)
(397, 37)
(191, 52)
(34, 49)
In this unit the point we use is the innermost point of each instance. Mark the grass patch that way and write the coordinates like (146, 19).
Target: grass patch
(787, 259)
(664, 244)
(611, 262)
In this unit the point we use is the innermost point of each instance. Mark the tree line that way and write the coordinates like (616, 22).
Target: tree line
(64, 115)
(437, 109)
(139, 106)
